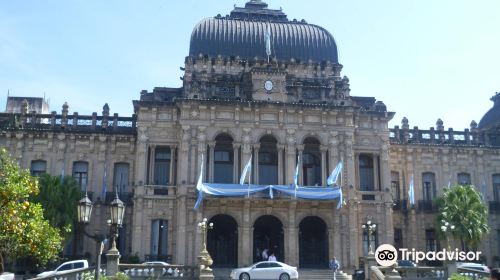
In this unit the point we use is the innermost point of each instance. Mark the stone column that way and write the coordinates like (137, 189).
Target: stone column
(256, 148)
(291, 236)
(211, 146)
(180, 256)
(290, 163)
(335, 248)
(349, 160)
(300, 149)
(246, 152)
(324, 172)
(280, 163)
(245, 252)
(236, 159)
(151, 163)
(353, 232)
(184, 155)
(141, 157)
(172, 165)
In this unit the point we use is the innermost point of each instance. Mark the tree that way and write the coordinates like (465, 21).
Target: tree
(59, 199)
(463, 214)
(23, 230)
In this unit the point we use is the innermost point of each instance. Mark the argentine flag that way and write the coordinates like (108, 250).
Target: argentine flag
(411, 192)
(247, 168)
(334, 176)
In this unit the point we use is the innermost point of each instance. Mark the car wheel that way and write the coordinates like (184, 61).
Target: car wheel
(284, 276)
(244, 276)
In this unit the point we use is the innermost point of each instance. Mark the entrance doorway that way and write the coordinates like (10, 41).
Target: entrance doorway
(222, 241)
(268, 234)
(313, 243)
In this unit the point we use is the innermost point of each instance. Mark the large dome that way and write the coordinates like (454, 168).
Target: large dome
(243, 34)
(492, 118)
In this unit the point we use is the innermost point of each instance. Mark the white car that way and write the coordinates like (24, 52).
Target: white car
(473, 267)
(65, 267)
(265, 270)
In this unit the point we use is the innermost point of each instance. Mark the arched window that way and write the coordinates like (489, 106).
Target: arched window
(463, 179)
(38, 167)
(121, 177)
(223, 159)
(311, 162)
(81, 173)
(268, 161)
(429, 186)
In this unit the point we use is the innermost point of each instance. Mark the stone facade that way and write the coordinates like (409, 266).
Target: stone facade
(225, 113)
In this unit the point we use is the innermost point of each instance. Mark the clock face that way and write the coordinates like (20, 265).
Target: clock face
(268, 85)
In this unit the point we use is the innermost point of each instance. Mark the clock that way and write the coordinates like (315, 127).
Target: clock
(268, 85)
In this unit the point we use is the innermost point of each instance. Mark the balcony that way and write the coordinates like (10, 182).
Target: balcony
(426, 206)
(495, 207)
(400, 205)
(126, 197)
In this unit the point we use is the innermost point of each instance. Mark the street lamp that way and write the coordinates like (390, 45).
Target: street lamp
(84, 211)
(204, 257)
(446, 227)
(371, 228)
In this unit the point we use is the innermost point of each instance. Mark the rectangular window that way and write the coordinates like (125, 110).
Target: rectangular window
(463, 179)
(38, 167)
(396, 191)
(80, 173)
(429, 186)
(159, 238)
(120, 177)
(398, 238)
(162, 166)
(366, 173)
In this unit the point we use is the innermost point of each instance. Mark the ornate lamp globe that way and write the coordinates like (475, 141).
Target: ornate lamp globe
(84, 209)
(117, 211)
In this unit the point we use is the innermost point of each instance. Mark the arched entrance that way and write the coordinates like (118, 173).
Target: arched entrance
(268, 234)
(222, 241)
(313, 243)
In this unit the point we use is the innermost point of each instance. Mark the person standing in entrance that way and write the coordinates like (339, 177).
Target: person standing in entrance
(264, 254)
(272, 257)
(334, 266)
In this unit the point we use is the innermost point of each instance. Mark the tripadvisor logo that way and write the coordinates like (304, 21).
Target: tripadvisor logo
(387, 255)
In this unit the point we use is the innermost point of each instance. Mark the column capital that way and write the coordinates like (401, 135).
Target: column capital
(323, 148)
(236, 145)
(300, 148)
(256, 146)
(211, 144)
(280, 146)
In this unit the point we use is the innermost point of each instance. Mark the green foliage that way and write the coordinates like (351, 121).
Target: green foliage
(456, 276)
(59, 200)
(462, 207)
(91, 276)
(23, 230)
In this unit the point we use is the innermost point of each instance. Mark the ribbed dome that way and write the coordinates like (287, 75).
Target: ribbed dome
(492, 117)
(243, 34)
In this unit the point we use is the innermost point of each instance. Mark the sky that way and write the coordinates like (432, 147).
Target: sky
(425, 59)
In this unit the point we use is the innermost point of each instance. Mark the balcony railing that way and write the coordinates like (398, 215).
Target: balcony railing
(426, 206)
(400, 205)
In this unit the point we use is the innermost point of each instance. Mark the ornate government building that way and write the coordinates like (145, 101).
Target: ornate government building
(258, 85)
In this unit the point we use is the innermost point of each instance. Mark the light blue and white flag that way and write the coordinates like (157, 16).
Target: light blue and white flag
(296, 176)
(411, 191)
(199, 184)
(62, 171)
(334, 176)
(248, 168)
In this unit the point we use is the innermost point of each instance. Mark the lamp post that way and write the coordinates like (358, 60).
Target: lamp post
(371, 228)
(84, 211)
(204, 257)
(445, 228)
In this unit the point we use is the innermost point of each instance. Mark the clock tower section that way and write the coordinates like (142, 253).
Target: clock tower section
(269, 84)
